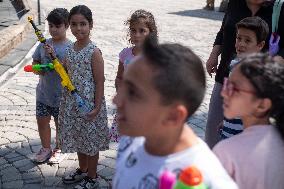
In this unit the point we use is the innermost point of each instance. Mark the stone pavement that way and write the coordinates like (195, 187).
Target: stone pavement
(180, 21)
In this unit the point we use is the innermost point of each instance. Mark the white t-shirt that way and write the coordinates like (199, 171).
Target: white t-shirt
(137, 169)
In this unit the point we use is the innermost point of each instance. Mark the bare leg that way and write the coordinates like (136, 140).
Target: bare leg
(92, 165)
(44, 130)
(56, 134)
(83, 161)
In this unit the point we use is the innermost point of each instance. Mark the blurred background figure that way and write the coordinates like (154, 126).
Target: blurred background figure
(210, 5)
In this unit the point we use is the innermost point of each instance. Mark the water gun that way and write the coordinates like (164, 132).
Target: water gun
(66, 82)
(39, 67)
(189, 178)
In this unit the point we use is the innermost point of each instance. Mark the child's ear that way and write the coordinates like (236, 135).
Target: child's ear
(177, 115)
(261, 45)
(264, 106)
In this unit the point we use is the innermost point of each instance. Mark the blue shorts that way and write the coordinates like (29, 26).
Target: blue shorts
(43, 110)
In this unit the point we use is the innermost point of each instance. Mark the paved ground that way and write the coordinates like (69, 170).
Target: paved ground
(180, 21)
(8, 14)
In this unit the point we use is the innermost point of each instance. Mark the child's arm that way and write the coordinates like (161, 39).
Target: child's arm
(119, 74)
(98, 74)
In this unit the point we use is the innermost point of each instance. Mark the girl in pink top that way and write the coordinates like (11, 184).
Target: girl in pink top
(140, 25)
(255, 93)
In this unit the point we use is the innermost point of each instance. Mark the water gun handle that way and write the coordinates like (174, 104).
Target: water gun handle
(66, 82)
(38, 33)
(82, 106)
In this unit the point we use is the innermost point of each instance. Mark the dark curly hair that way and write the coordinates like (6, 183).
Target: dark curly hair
(267, 77)
(148, 19)
(58, 16)
(180, 75)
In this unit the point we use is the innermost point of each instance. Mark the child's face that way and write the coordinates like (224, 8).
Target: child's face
(138, 32)
(246, 42)
(140, 112)
(239, 99)
(57, 32)
(80, 26)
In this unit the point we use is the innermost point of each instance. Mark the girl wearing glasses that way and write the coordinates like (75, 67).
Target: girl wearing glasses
(255, 93)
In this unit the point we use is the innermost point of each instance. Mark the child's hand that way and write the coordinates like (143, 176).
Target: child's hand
(211, 64)
(38, 72)
(49, 50)
(92, 115)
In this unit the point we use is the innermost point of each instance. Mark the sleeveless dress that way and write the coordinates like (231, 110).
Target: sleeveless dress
(77, 134)
(125, 56)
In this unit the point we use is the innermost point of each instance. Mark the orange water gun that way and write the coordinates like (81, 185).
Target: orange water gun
(189, 178)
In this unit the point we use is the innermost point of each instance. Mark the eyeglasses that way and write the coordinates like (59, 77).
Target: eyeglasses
(230, 88)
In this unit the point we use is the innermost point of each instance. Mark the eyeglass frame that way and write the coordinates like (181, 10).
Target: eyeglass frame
(230, 91)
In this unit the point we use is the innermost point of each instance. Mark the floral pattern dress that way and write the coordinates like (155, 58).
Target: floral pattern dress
(77, 134)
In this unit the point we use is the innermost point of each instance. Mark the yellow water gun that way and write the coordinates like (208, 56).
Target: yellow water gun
(66, 82)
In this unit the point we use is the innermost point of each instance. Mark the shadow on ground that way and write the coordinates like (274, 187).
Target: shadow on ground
(200, 13)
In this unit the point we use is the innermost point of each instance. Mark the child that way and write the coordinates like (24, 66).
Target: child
(140, 25)
(159, 91)
(251, 35)
(255, 93)
(89, 134)
(48, 91)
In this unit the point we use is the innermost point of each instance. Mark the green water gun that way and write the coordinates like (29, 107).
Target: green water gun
(39, 67)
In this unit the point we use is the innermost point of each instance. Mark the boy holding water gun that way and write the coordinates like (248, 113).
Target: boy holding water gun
(48, 90)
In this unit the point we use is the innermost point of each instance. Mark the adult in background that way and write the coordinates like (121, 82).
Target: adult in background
(224, 46)
(210, 5)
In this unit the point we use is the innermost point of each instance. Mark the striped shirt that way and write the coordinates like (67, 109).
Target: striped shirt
(231, 127)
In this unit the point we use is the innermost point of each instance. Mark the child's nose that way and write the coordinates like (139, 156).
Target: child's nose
(224, 92)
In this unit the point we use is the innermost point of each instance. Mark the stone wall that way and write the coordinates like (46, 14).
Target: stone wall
(14, 34)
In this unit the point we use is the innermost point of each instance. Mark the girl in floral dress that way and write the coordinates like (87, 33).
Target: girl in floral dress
(89, 134)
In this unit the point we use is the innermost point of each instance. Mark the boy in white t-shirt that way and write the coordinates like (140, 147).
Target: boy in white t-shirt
(159, 91)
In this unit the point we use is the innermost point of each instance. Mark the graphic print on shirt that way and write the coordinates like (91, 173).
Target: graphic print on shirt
(125, 142)
(131, 160)
(149, 181)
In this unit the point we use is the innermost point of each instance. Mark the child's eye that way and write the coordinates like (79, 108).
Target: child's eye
(142, 30)
(132, 30)
(247, 41)
(83, 24)
(131, 93)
